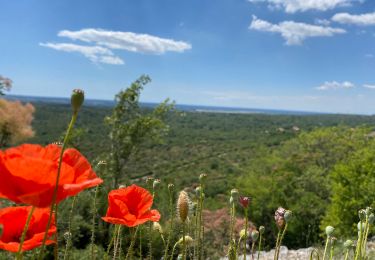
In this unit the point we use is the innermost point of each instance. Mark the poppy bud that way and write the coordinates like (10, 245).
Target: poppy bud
(329, 230)
(198, 190)
(76, 99)
(279, 217)
(254, 235)
(149, 181)
(183, 206)
(122, 186)
(202, 177)
(362, 214)
(157, 227)
(361, 224)
(348, 243)
(368, 211)
(67, 235)
(234, 193)
(170, 187)
(156, 183)
(288, 215)
(245, 201)
(231, 200)
(261, 230)
(371, 218)
(188, 240)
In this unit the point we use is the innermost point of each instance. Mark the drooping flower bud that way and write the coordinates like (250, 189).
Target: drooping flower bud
(76, 99)
(188, 240)
(156, 183)
(288, 215)
(202, 177)
(198, 190)
(361, 224)
(279, 217)
(362, 214)
(157, 227)
(170, 187)
(254, 235)
(348, 243)
(183, 206)
(368, 211)
(261, 230)
(329, 230)
(234, 193)
(67, 235)
(244, 201)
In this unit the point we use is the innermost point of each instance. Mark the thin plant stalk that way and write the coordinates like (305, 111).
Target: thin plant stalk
(69, 238)
(325, 248)
(23, 236)
(332, 248)
(245, 236)
(259, 245)
(358, 251)
(196, 220)
(277, 244)
(252, 250)
(183, 241)
(364, 240)
(174, 247)
(117, 242)
(346, 254)
(112, 241)
(54, 196)
(201, 226)
(281, 240)
(129, 254)
(140, 243)
(171, 212)
(312, 254)
(93, 224)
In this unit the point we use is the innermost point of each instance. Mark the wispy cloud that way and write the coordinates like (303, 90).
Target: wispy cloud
(335, 85)
(105, 41)
(369, 86)
(129, 41)
(357, 19)
(292, 6)
(96, 54)
(293, 32)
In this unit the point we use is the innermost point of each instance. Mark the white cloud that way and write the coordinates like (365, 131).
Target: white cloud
(357, 19)
(335, 85)
(369, 86)
(294, 33)
(129, 41)
(96, 54)
(324, 22)
(292, 6)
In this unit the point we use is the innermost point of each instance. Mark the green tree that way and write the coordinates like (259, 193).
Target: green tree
(130, 127)
(5, 84)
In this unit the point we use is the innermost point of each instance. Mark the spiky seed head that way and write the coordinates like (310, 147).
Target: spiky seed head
(188, 240)
(371, 218)
(279, 217)
(157, 227)
(76, 99)
(261, 230)
(183, 205)
(348, 243)
(288, 215)
(156, 183)
(254, 235)
(329, 231)
(362, 214)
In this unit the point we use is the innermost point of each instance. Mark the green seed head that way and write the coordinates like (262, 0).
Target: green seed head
(371, 218)
(188, 240)
(76, 99)
(156, 183)
(149, 181)
(157, 227)
(170, 187)
(198, 190)
(362, 214)
(288, 215)
(261, 230)
(348, 243)
(329, 231)
(234, 193)
(254, 235)
(202, 177)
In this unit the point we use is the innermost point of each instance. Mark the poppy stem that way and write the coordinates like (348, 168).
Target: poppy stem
(26, 227)
(112, 241)
(245, 237)
(183, 241)
(94, 211)
(117, 242)
(129, 254)
(280, 241)
(54, 196)
(170, 225)
(69, 234)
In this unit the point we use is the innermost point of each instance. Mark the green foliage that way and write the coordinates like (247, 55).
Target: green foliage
(353, 185)
(129, 127)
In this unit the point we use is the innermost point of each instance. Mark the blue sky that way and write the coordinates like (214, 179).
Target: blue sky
(279, 54)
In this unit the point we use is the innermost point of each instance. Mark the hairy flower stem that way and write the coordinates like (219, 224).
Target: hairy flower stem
(174, 247)
(183, 241)
(332, 248)
(69, 240)
(245, 236)
(117, 242)
(26, 227)
(171, 213)
(112, 240)
(252, 250)
(346, 254)
(54, 196)
(129, 254)
(280, 241)
(364, 240)
(260, 245)
(200, 227)
(325, 248)
(358, 251)
(93, 224)
(277, 244)
(140, 242)
(232, 245)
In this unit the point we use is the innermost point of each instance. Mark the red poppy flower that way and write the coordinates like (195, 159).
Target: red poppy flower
(28, 174)
(13, 220)
(130, 206)
(245, 201)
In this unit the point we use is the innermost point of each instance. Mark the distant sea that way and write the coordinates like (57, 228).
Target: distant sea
(187, 108)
